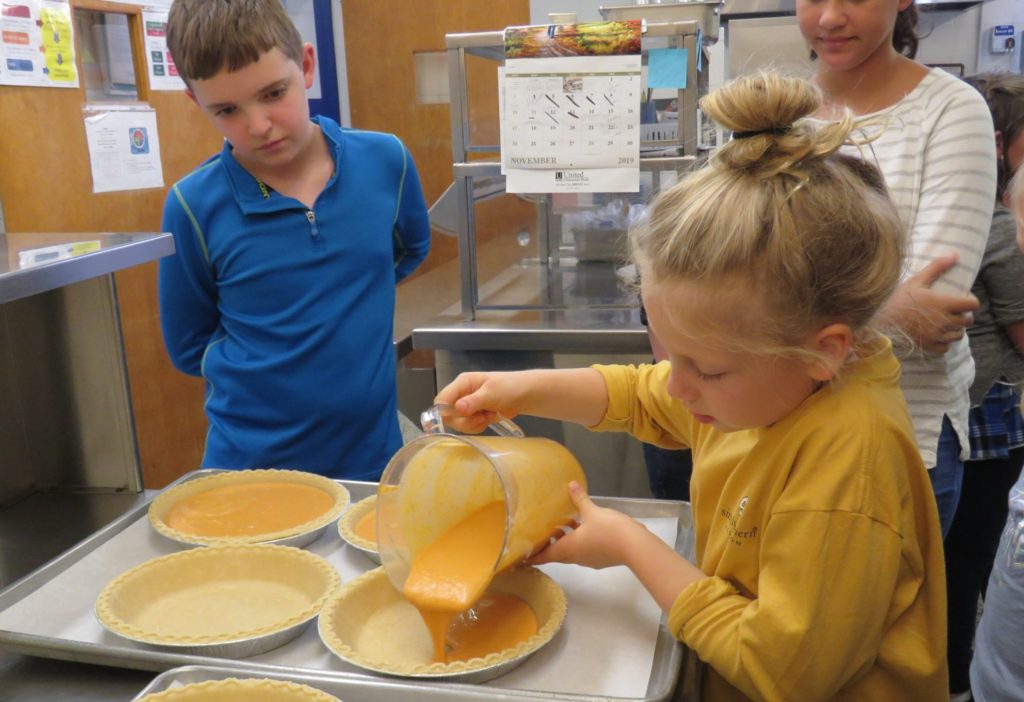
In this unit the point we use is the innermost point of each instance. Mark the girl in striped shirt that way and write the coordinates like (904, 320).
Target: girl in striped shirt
(937, 155)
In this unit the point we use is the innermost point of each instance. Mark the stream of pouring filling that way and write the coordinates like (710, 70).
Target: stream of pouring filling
(451, 575)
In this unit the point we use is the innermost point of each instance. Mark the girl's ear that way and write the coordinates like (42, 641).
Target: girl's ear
(999, 145)
(832, 345)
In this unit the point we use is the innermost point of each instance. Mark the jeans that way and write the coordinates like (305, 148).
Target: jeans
(947, 475)
(669, 471)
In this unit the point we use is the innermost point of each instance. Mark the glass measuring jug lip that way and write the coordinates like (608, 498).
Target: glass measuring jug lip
(432, 422)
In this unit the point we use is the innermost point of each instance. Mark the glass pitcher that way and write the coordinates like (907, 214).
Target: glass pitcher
(436, 481)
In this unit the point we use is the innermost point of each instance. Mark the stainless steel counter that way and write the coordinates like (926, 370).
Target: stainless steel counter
(30, 679)
(34, 263)
(66, 435)
(570, 331)
(58, 521)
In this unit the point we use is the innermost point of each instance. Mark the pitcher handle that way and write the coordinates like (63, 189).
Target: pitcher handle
(432, 421)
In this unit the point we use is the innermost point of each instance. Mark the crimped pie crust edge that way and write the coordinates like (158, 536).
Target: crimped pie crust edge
(208, 689)
(348, 521)
(550, 589)
(105, 602)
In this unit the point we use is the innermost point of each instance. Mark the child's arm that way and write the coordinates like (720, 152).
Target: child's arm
(576, 395)
(1002, 275)
(606, 538)
(931, 320)
(954, 212)
(187, 290)
(411, 231)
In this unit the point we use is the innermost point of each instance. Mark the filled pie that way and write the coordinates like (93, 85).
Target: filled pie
(248, 506)
(217, 595)
(358, 527)
(371, 625)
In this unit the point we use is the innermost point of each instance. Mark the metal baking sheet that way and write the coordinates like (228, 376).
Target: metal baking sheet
(614, 644)
(346, 689)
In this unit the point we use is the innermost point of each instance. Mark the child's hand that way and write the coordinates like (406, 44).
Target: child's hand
(598, 541)
(478, 399)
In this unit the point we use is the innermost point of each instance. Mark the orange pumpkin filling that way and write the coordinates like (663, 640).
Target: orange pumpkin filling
(496, 622)
(451, 574)
(248, 508)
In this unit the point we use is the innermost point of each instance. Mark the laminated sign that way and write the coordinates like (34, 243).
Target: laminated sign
(570, 113)
(37, 45)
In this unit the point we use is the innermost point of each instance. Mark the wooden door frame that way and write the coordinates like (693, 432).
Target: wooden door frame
(136, 34)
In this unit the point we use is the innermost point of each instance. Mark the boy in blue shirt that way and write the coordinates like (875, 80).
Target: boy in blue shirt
(289, 243)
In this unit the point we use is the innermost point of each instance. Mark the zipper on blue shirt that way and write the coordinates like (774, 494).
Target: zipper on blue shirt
(314, 230)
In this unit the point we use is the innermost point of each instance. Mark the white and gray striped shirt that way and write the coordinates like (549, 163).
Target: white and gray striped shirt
(937, 153)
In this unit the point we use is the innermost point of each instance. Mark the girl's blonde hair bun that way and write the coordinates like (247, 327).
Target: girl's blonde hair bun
(786, 231)
(768, 113)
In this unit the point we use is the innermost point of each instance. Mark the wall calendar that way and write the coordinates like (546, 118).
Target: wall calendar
(572, 123)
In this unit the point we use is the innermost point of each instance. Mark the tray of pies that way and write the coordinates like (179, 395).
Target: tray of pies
(223, 601)
(286, 507)
(612, 642)
(358, 527)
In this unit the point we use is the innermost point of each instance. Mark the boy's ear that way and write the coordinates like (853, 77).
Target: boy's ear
(191, 95)
(308, 64)
(832, 345)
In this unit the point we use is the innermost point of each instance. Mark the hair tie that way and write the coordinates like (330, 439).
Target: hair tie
(775, 131)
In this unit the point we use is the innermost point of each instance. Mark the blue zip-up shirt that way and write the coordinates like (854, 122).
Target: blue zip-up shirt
(287, 312)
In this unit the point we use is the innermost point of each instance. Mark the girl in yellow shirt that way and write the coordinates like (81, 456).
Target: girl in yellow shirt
(819, 572)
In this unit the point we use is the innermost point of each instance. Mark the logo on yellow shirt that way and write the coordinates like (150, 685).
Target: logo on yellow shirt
(736, 535)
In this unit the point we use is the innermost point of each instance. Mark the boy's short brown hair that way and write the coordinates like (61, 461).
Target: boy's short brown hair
(207, 36)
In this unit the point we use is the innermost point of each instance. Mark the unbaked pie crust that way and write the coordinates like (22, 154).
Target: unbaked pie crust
(242, 690)
(347, 526)
(216, 595)
(371, 625)
(165, 501)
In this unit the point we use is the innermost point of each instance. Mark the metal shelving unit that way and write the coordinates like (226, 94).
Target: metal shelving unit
(550, 276)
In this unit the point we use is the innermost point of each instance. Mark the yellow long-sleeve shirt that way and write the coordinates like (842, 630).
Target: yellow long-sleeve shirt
(820, 536)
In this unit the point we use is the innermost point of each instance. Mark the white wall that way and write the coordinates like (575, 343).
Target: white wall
(950, 36)
(586, 10)
(996, 12)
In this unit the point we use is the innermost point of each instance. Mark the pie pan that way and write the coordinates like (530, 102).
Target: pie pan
(371, 625)
(225, 601)
(294, 535)
(242, 690)
(347, 528)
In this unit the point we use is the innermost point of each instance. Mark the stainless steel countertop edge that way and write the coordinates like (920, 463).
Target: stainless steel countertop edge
(49, 276)
(481, 336)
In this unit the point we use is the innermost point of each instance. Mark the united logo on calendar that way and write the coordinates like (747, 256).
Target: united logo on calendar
(570, 113)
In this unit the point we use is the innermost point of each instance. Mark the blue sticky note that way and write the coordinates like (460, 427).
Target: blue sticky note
(666, 68)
